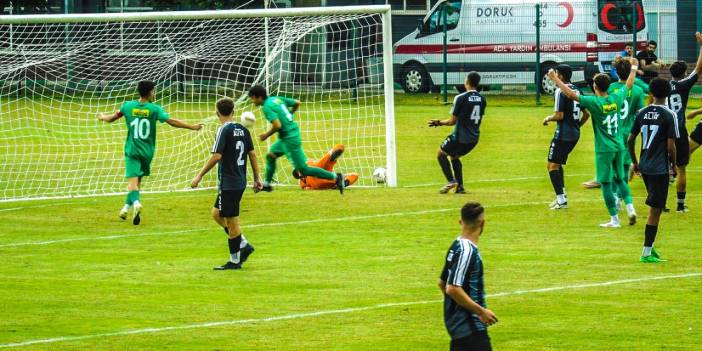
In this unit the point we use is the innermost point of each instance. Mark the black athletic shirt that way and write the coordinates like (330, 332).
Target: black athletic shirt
(677, 100)
(469, 109)
(657, 124)
(568, 129)
(233, 142)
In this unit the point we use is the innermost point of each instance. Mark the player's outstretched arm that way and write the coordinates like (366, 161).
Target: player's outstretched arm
(694, 114)
(275, 127)
(254, 168)
(698, 67)
(173, 122)
(459, 295)
(110, 118)
(632, 74)
(566, 90)
(446, 122)
(214, 159)
(295, 107)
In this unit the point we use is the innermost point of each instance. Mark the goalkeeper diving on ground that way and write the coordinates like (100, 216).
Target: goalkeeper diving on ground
(327, 162)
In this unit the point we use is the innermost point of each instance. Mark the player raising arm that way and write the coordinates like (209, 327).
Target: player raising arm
(605, 110)
(657, 125)
(141, 116)
(279, 111)
(232, 145)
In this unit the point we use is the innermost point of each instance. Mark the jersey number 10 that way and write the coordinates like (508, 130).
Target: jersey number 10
(141, 128)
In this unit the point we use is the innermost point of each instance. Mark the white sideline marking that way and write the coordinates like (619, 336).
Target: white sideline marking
(275, 224)
(330, 312)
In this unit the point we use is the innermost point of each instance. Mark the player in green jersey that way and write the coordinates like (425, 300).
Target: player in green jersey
(279, 112)
(632, 104)
(141, 116)
(605, 110)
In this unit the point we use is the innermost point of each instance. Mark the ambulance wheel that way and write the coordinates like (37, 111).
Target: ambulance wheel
(545, 84)
(415, 79)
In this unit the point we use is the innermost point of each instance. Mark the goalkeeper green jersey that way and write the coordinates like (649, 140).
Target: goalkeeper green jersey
(141, 120)
(632, 104)
(605, 115)
(278, 107)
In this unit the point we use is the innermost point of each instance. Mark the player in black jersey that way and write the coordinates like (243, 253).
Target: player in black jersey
(569, 118)
(677, 101)
(657, 125)
(466, 114)
(233, 145)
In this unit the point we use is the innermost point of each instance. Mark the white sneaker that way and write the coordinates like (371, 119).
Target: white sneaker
(611, 224)
(124, 212)
(558, 206)
(137, 211)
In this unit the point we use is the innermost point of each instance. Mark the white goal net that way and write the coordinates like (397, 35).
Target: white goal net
(57, 73)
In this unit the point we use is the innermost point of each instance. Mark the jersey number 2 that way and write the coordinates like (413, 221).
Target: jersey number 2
(240, 146)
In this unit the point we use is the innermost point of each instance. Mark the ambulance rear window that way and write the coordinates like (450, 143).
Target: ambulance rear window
(617, 16)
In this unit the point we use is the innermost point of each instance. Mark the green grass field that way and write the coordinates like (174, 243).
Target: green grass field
(359, 271)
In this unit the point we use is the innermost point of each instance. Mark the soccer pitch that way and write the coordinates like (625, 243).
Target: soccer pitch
(358, 271)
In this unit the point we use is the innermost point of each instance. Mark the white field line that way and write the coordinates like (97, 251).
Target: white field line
(275, 224)
(331, 312)
(498, 180)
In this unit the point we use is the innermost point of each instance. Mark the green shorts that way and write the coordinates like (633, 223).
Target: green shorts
(137, 166)
(292, 149)
(609, 166)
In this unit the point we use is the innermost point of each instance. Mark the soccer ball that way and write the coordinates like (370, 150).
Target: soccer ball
(248, 119)
(379, 175)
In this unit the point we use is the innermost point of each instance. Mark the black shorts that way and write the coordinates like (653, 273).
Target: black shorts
(227, 202)
(559, 151)
(696, 134)
(657, 188)
(455, 149)
(478, 341)
(682, 150)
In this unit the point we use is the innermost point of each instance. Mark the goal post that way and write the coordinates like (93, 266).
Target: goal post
(58, 72)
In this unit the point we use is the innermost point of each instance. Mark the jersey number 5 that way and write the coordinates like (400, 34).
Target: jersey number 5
(141, 128)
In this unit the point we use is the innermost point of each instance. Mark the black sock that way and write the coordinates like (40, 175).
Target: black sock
(556, 181)
(650, 234)
(457, 170)
(234, 244)
(445, 167)
(681, 199)
(560, 169)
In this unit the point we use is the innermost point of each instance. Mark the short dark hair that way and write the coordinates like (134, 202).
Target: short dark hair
(602, 81)
(145, 87)
(660, 88)
(652, 42)
(225, 106)
(258, 91)
(566, 71)
(678, 69)
(623, 67)
(628, 45)
(473, 79)
(470, 212)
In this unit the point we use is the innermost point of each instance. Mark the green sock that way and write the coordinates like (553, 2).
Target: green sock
(318, 173)
(128, 201)
(623, 190)
(132, 197)
(610, 200)
(270, 169)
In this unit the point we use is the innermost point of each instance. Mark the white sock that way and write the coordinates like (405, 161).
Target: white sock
(615, 219)
(630, 209)
(561, 199)
(126, 207)
(234, 258)
(243, 242)
(646, 251)
(137, 203)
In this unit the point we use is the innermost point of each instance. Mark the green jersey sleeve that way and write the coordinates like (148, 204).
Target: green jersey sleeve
(289, 102)
(589, 103)
(269, 113)
(161, 114)
(620, 95)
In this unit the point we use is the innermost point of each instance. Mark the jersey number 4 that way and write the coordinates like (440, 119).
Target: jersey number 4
(141, 128)
(475, 115)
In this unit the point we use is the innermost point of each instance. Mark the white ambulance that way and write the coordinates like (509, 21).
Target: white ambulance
(498, 39)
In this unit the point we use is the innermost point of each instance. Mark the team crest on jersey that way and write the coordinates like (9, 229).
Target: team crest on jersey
(140, 113)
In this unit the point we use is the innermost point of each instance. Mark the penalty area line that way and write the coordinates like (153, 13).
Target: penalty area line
(333, 312)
